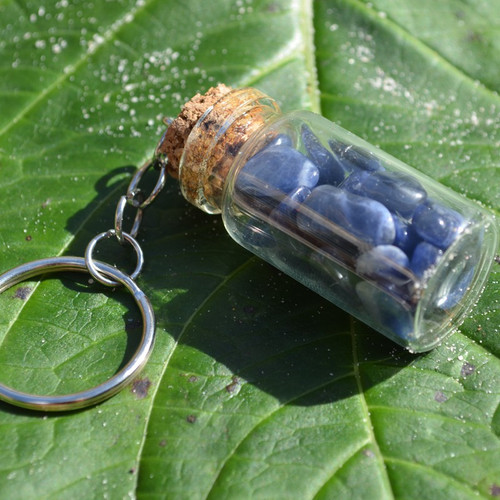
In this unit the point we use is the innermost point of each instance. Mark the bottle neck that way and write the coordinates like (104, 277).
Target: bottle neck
(215, 141)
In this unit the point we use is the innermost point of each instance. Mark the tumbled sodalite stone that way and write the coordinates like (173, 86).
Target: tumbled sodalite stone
(274, 170)
(279, 140)
(286, 211)
(353, 158)
(386, 311)
(406, 237)
(425, 256)
(385, 263)
(399, 192)
(331, 170)
(366, 219)
(436, 224)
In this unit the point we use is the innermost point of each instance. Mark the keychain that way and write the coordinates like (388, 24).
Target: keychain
(387, 244)
(109, 276)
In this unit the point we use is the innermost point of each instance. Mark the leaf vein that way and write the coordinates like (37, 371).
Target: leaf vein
(71, 69)
(364, 407)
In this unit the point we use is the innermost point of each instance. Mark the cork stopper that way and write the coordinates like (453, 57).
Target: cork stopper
(202, 143)
(178, 132)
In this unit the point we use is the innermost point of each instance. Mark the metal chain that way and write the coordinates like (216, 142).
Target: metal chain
(135, 198)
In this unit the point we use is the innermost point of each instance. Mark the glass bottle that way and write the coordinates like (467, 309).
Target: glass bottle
(377, 238)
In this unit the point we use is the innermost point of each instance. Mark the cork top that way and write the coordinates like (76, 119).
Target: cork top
(203, 142)
(177, 133)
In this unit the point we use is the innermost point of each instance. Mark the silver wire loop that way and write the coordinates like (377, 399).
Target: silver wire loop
(119, 216)
(94, 266)
(133, 189)
(116, 382)
(135, 197)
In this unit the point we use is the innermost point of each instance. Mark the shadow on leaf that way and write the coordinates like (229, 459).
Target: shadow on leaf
(224, 304)
(267, 329)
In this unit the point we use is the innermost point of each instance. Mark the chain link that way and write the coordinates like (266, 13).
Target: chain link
(119, 216)
(133, 190)
(135, 198)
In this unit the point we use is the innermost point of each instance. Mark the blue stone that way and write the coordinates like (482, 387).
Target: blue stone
(275, 171)
(353, 158)
(328, 211)
(425, 256)
(399, 192)
(386, 264)
(331, 170)
(275, 140)
(437, 224)
(253, 204)
(286, 211)
(406, 237)
(385, 311)
(279, 140)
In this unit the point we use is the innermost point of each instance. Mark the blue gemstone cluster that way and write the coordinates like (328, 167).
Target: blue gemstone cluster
(380, 224)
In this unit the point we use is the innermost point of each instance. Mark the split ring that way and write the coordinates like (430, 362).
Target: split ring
(93, 267)
(116, 382)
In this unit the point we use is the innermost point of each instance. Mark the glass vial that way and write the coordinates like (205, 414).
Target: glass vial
(384, 242)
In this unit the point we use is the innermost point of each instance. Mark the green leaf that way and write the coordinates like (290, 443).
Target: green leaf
(256, 388)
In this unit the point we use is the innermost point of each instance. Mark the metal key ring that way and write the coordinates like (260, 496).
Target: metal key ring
(116, 382)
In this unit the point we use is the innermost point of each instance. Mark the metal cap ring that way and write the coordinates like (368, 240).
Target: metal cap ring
(116, 382)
